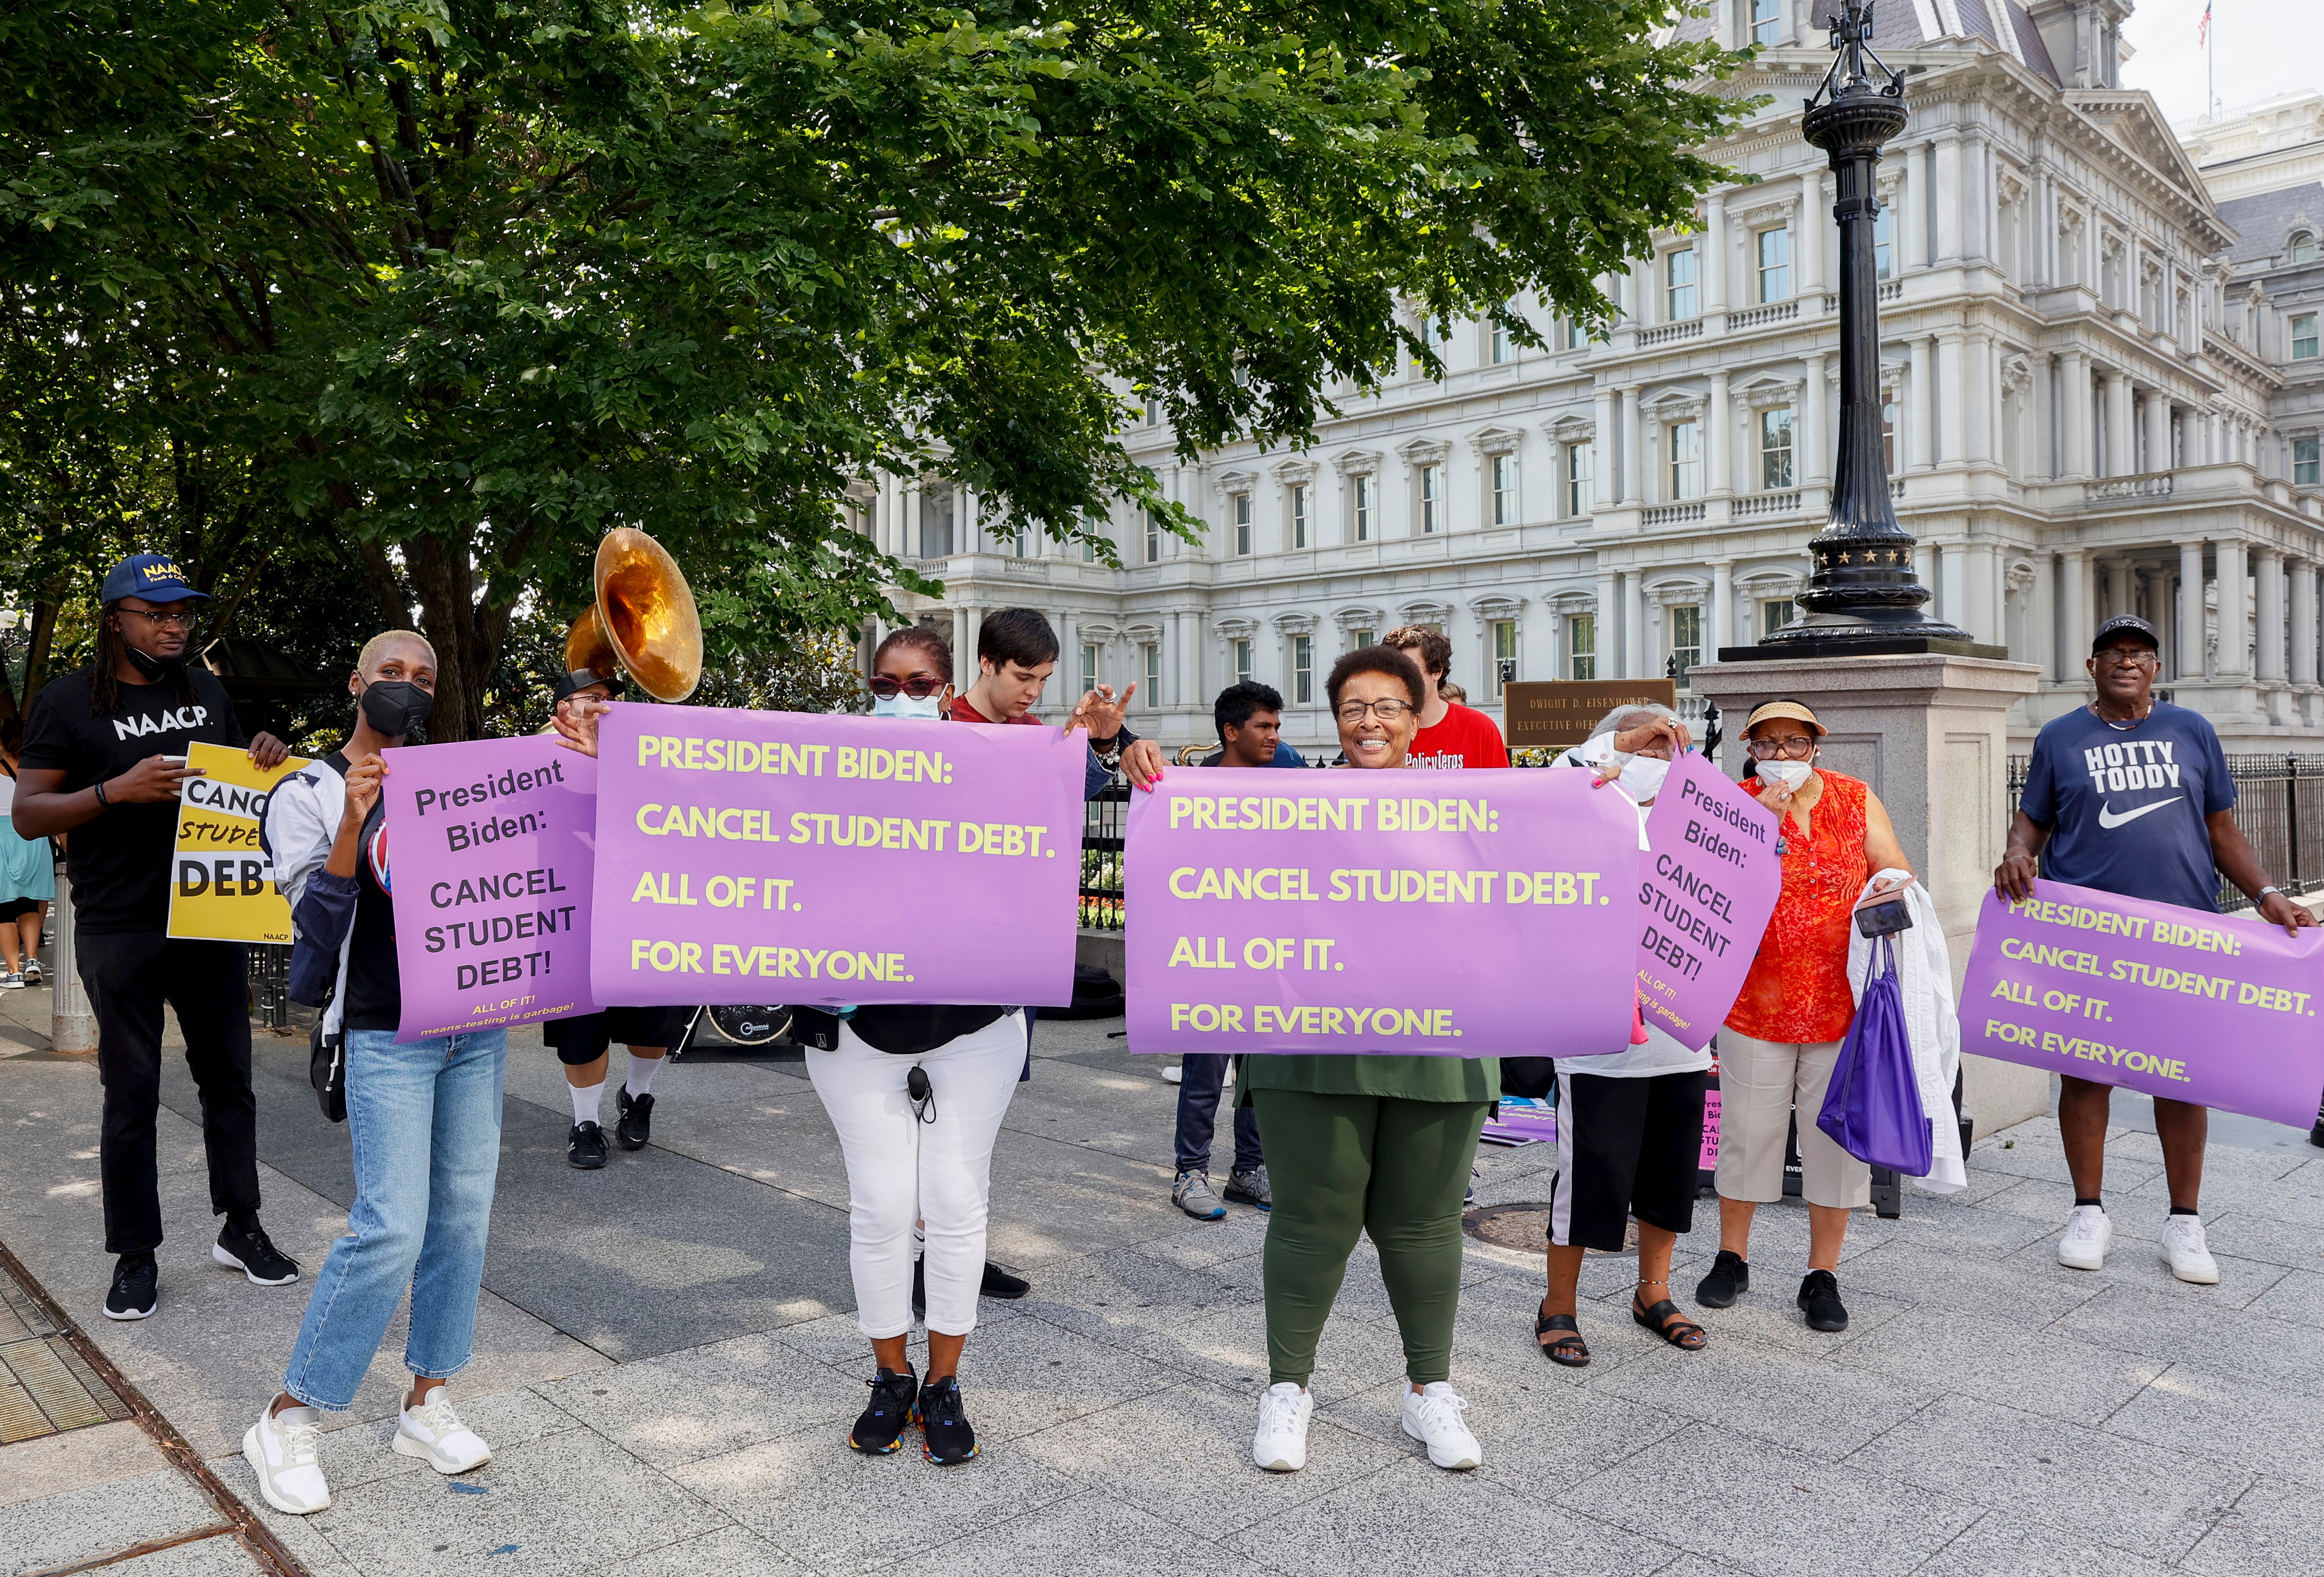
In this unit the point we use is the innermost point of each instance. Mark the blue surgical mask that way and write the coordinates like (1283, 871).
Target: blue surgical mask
(928, 708)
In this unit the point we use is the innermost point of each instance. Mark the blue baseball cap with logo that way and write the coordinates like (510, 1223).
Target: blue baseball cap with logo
(155, 576)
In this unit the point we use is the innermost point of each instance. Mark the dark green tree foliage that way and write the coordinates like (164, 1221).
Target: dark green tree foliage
(441, 291)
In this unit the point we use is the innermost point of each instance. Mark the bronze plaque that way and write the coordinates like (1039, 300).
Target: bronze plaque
(1558, 714)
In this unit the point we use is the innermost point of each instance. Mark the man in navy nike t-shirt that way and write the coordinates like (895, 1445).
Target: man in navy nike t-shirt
(2129, 795)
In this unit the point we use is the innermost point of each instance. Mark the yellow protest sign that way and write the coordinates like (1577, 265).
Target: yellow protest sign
(222, 886)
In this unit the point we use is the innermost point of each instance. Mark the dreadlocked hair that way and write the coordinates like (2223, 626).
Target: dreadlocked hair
(112, 651)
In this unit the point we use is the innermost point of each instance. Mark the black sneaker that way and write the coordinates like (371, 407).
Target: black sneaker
(1729, 1279)
(249, 1250)
(636, 1124)
(1000, 1284)
(1820, 1298)
(945, 1437)
(881, 1427)
(584, 1147)
(136, 1288)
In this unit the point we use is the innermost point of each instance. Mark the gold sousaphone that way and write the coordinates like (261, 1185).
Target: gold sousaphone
(644, 621)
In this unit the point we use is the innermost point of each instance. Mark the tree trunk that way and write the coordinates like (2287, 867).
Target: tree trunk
(36, 656)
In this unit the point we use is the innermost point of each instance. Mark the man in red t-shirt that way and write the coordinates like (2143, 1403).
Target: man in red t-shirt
(1016, 653)
(1452, 736)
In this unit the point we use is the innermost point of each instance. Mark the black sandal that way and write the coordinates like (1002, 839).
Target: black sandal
(1685, 1336)
(1571, 1350)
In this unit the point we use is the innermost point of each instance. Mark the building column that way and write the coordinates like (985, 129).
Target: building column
(1718, 618)
(1602, 450)
(2122, 427)
(1719, 456)
(2074, 421)
(2117, 588)
(1948, 204)
(2158, 430)
(1951, 404)
(1711, 258)
(1817, 468)
(2190, 609)
(1920, 410)
(1608, 615)
(1982, 594)
(1633, 443)
(2304, 622)
(2233, 571)
(1982, 398)
(1814, 230)
(2040, 616)
(2267, 573)
(1635, 665)
(2074, 566)
(1069, 657)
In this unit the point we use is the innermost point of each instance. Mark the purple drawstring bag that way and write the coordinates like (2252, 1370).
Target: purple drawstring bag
(1872, 1109)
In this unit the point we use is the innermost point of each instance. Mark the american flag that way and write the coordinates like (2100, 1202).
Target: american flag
(2203, 32)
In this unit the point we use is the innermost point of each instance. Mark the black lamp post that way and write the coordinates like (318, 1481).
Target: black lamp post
(1862, 599)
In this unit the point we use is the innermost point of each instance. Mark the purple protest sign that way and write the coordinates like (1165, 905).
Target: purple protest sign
(1706, 890)
(2211, 1008)
(782, 857)
(1481, 915)
(490, 860)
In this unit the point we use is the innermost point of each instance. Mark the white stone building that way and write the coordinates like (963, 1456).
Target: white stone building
(2104, 388)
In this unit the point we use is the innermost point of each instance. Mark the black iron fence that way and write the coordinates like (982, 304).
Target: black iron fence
(1102, 830)
(2279, 809)
(270, 985)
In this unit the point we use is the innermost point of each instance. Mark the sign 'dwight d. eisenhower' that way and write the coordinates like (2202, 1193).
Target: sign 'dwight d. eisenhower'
(2212, 1009)
(779, 857)
(1382, 912)
(489, 859)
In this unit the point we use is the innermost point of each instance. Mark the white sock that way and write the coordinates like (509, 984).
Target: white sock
(643, 1070)
(586, 1102)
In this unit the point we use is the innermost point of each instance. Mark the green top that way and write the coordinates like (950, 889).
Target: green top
(1403, 1078)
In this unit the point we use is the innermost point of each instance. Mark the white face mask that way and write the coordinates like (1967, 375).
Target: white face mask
(926, 708)
(1642, 776)
(1787, 775)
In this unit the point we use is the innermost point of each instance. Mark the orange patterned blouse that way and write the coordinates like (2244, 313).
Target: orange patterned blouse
(1797, 992)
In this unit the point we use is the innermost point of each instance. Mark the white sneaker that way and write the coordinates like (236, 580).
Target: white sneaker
(2083, 1246)
(1281, 1445)
(1172, 1074)
(1432, 1415)
(434, 1434)
(2184, 1252)
(281, 1450)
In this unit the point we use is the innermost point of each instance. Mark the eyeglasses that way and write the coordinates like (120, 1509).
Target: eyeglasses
(2132, 657)
(1389, 711)
(1799, 747)
(183, 621)
(918, 689)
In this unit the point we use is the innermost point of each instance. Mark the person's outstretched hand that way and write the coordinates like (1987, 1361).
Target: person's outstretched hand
(577, 725)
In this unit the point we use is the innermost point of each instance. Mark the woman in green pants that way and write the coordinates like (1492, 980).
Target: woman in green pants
(1367, 1144)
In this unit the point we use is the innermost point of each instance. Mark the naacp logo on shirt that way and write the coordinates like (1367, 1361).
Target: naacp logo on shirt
(184, 719)
(2129, 766)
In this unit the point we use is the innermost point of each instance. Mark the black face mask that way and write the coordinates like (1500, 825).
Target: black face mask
(394, 708)
(152, 668)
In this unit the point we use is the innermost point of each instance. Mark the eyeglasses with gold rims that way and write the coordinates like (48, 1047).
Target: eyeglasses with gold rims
(182, 618)
(1797, 747)
(1389, 711)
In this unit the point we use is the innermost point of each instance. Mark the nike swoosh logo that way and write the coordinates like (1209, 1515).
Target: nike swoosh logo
(2108, 820)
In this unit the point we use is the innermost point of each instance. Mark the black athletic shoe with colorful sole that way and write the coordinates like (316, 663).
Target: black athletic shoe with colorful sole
(881, 1429)
(636, 1125)
(945, 1437)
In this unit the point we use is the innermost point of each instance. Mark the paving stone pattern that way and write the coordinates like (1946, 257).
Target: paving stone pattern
(668, 1360)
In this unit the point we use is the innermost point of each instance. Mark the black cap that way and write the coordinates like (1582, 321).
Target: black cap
(2124, 624)
(580, 679)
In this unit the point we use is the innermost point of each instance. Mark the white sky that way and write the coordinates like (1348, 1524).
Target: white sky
(2263, 48)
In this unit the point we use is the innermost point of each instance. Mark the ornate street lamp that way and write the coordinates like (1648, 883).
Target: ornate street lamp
(1862, 599)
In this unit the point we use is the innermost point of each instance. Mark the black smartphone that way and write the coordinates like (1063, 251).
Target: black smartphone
(1884, 919)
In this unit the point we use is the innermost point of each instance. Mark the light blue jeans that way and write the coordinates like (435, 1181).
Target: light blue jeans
(425, 1120)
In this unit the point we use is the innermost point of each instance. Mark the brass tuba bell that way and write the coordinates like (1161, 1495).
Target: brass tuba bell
(644, 621)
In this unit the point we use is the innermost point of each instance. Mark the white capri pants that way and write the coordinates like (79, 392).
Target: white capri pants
(1760, 1083)
(900, 1169)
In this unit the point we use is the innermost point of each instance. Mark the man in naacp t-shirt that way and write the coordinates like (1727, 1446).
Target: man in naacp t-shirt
(2131, 795)
(104, 760)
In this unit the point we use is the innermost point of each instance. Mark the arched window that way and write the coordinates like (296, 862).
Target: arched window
(2303, 246)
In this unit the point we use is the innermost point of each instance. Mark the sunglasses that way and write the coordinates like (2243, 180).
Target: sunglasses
(918, 689)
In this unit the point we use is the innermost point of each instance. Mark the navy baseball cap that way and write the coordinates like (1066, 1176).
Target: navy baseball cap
(155, 576)
(2124, 624)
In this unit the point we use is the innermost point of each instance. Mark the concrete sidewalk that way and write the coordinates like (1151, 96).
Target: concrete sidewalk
(668, 1363)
